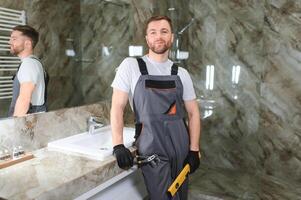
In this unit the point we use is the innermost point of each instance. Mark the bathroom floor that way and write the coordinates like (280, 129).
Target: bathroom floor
(229, 185)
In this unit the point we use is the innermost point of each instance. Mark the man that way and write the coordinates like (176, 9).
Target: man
(157, 90)
(29, 93)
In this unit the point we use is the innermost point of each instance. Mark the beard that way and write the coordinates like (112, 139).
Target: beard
(160, 48)
(15, 50)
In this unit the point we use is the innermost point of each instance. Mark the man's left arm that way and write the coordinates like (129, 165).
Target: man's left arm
(194, 128)
(23, 100)
(194, 124)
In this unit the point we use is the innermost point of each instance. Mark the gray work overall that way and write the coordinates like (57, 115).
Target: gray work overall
(161, 130)
(16, 92)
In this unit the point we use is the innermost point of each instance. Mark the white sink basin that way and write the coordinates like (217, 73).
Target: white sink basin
(97, 146)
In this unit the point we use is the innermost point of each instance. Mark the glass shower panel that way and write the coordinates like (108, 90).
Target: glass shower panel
(105, 41)
(225, 62)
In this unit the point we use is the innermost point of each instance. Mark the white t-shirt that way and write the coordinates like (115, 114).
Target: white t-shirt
(128, 73)
(31, 70)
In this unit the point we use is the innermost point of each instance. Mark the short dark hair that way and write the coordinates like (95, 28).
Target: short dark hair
(29, 32)
(157, 18)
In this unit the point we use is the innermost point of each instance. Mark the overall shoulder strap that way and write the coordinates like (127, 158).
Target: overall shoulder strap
(46, 79)
(32, 57)
(14, 76)
(37, 60)
(142, 66)
(174, 69)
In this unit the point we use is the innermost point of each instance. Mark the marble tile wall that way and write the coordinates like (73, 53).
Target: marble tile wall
(229, 35)
(35, 131)
(254, 128)
(281, 89)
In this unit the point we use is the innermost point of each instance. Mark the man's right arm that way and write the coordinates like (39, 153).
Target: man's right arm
(123, 155)
(119, 101)
(24, 98)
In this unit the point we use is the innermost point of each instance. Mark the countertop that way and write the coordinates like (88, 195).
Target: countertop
(55, 175)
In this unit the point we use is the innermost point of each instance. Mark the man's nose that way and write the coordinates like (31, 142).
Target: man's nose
(158, 35)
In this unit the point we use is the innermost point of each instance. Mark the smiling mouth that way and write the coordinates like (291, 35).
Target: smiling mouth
(160, 43)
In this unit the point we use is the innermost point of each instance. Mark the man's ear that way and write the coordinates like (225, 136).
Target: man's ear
(172, 37)
(28, 43)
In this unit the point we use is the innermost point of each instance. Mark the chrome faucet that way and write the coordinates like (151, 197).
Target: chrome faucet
(94, 123)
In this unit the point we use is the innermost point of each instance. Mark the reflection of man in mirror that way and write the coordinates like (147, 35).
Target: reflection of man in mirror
(159, 92)
(29, 93)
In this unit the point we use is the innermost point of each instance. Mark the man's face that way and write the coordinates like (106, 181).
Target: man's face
(159, 37)
(17, 42)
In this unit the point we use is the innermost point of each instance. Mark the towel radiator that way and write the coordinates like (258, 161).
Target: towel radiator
(9, 18)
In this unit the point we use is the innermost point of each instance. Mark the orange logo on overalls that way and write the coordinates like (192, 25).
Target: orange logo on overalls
(172, 109)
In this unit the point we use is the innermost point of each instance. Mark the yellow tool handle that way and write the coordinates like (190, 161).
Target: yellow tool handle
(173, 188)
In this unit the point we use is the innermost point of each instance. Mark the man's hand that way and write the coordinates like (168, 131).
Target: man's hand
(123, 156)
(193, 159)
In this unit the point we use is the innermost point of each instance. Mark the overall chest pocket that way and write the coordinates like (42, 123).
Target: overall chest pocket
(160, 95)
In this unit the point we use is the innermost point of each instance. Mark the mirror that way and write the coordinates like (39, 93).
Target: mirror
(80, 45)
